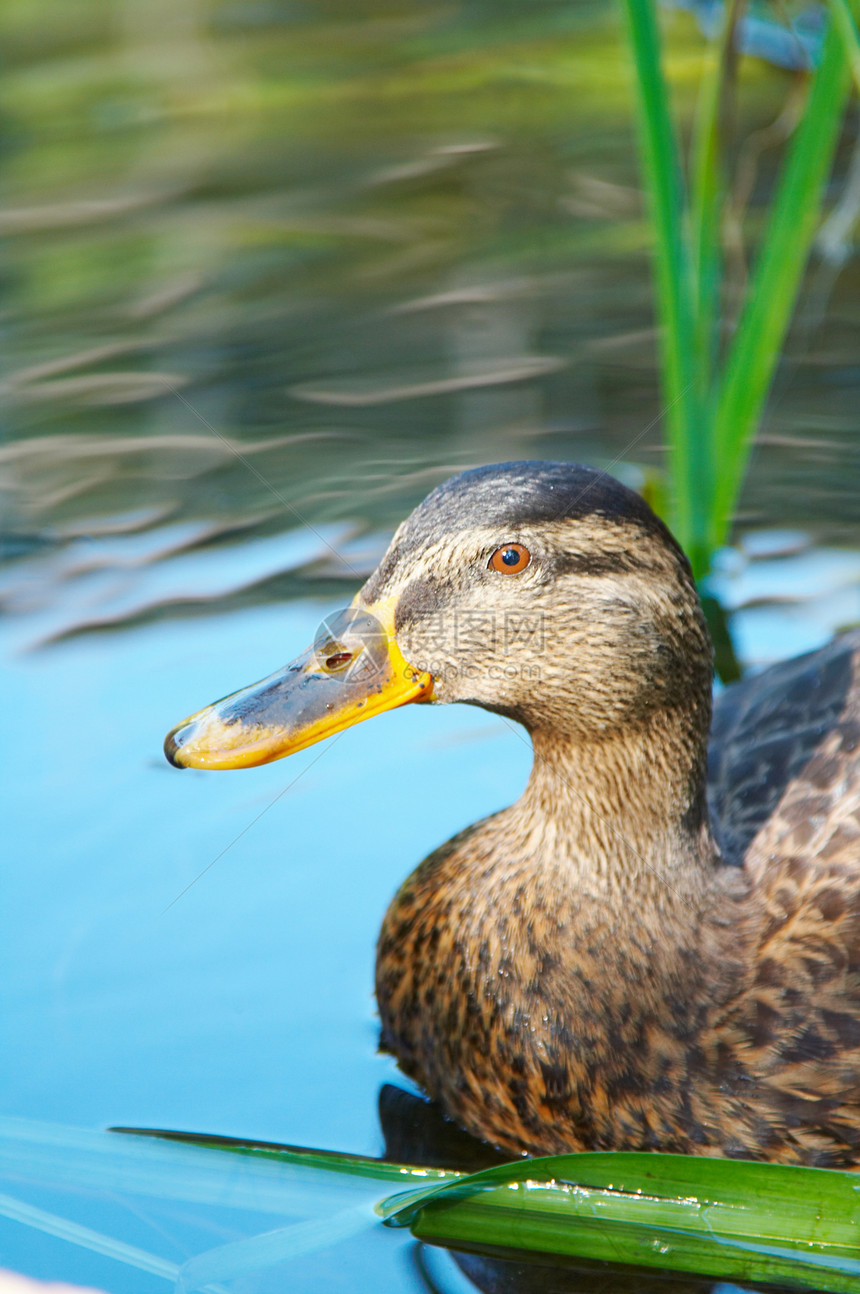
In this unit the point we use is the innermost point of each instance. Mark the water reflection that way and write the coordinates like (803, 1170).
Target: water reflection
(462, 1273)
(361, 248)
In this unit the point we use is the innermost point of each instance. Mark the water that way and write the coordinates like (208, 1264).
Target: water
(278, 269)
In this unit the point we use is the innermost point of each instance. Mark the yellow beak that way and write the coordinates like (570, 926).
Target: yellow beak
(353, 671)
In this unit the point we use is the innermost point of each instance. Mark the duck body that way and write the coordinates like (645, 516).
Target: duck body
(534, 1021)
(658, 945)
(720, 1017)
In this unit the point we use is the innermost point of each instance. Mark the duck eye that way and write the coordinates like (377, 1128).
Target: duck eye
(510, 559)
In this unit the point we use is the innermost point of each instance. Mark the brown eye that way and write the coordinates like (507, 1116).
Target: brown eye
(510, 559)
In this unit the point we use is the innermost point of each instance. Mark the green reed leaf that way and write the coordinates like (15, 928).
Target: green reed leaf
(707, 197)
(329, 1161)
(845, 24)
(732, 1219)
(688, 448)
(776, 278)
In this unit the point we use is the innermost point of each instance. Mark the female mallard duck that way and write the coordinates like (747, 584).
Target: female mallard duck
(602, 965)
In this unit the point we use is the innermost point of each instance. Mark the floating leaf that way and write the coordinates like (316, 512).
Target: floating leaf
(713, 1217)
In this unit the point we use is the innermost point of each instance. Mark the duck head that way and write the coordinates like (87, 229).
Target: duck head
(546, 592)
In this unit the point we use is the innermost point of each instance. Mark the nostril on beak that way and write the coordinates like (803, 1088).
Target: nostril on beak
(335, 655)
(338, 660)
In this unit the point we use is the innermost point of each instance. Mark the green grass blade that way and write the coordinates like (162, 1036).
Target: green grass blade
(843, 20)
(328, 1161)
(773, 289)
(707, 192)
(688, 449)
(713, 1217)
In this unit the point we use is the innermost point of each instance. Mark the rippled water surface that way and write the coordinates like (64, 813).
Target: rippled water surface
(274, 270)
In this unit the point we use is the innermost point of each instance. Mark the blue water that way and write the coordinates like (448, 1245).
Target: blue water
(129, 1214)
(243, 1005)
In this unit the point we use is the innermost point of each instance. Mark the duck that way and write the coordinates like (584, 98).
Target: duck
(657, 946)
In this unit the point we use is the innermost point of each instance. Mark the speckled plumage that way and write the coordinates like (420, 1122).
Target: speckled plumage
(597, 967)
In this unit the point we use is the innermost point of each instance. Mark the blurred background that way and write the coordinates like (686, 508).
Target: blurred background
(273, 269)
(362, 246)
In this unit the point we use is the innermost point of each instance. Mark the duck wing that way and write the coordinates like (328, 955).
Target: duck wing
(785, 740)
(785, 793)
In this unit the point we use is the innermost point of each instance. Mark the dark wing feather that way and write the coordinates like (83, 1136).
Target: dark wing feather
(785, 786)
(766, 729)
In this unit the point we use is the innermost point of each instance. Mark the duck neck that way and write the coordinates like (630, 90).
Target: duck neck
(627, 811)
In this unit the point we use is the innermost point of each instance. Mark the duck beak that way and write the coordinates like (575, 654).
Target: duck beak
(353, 671)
